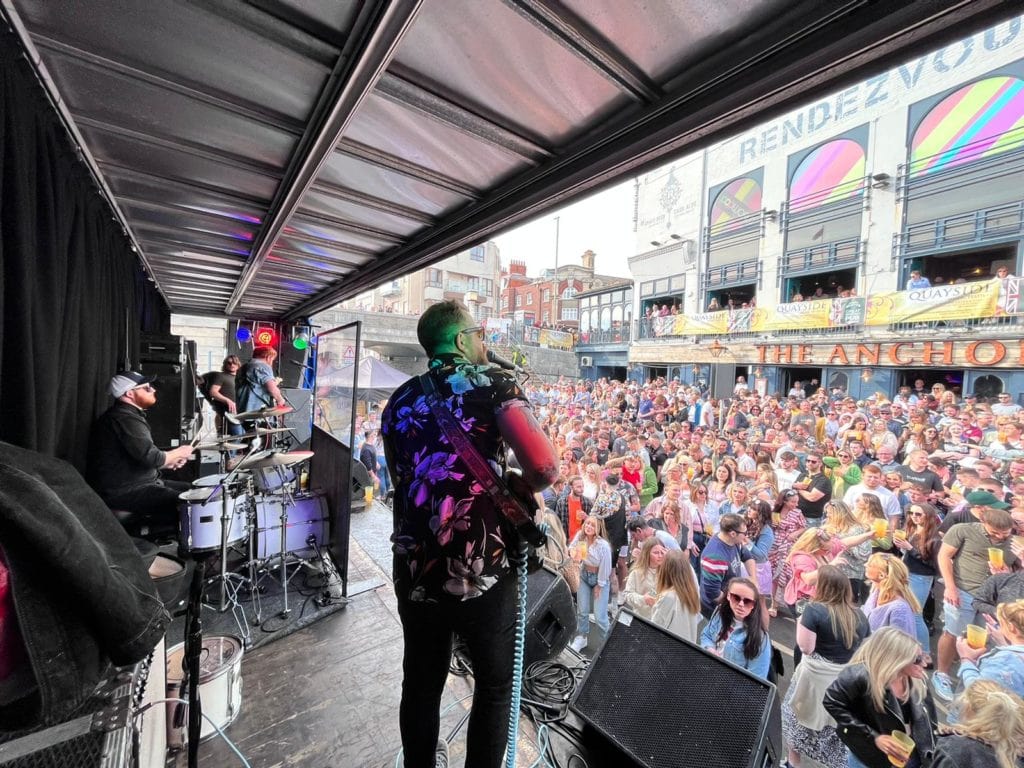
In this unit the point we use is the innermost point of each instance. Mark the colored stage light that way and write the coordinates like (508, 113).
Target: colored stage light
(266, 337)
(243, 335)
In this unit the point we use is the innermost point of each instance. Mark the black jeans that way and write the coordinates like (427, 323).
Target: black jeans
(487, 626)
(158, 500)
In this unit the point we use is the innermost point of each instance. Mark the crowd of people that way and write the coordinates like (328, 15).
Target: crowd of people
(875, 524)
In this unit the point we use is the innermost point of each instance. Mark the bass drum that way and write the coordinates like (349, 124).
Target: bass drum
(306, 516)
(201, 522)
(220, 688)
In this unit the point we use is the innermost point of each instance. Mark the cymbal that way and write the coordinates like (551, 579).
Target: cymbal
(259, 432)
(265, 413)
(222, 445)
(268, 459)
(209, 481)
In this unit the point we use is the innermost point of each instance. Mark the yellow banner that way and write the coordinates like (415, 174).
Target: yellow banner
(702, 323)
(961, 301)
(793, 316)
(554, 339)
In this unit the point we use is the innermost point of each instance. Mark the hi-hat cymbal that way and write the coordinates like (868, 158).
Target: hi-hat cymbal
(269, 460)
(265, 413)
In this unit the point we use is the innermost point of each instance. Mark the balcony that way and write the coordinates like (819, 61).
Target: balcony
(730, 274)
(984, 308)
(962, 230)
(597, 337)
(837, 254)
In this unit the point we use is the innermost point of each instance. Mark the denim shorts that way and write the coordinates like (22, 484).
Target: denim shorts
(957, 619)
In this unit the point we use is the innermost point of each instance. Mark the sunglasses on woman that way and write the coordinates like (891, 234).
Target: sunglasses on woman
(747, 602)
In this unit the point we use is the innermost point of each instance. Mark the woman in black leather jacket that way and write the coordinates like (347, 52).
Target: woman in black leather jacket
(883, 690)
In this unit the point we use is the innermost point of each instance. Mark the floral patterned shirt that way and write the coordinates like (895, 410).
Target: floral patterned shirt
(449, 538)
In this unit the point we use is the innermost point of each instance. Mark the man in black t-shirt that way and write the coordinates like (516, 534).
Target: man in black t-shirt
(220, 391)
(815, 490)
(916, 472)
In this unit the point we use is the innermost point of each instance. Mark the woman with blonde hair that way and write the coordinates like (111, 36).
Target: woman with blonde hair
(677, 608)
(590, 548)
(1005, 664)
(829, 632)
(805, 558)
(989, 732)
(591, 481)
(851, 544)
(641, 590)
(891, 602)
(880, 691)
(868, 511)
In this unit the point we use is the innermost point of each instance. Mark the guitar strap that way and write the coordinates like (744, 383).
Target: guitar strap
(476, 463)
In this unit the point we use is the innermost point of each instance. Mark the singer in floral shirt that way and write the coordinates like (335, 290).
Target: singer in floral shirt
(451, 567)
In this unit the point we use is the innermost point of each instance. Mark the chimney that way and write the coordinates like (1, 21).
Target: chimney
(588, 260)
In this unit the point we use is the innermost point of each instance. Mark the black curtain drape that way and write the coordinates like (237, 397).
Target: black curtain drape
(73, 298)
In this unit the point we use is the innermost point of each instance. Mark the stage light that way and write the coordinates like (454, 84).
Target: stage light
(301, 340)
(243, 335)
(266, 337)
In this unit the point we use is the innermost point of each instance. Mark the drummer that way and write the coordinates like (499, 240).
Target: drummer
(124, 464)
(255, 385)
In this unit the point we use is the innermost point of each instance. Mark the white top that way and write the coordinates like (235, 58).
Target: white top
(669, 613)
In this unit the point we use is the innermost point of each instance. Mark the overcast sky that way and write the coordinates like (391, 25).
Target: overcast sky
(602, 223)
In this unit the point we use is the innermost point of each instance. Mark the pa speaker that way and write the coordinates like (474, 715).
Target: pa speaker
(550, 615)
(663, 702)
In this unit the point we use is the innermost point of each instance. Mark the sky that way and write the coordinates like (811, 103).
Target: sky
(602, 223)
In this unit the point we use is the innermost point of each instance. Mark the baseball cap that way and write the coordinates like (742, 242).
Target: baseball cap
(126, 380)
(985, 499)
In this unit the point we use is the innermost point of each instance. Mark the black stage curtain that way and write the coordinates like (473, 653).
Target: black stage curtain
(73, 298)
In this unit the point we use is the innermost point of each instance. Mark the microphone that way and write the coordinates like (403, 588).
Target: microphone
(495, 359)
(301, 365)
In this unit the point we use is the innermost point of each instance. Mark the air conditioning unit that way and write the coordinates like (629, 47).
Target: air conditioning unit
(586, 361)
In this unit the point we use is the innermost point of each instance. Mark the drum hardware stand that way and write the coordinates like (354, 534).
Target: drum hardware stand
(330, 573)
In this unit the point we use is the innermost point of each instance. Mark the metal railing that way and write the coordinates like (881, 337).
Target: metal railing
(839, 253)
(964, 229)
(621, 335)
(729, 274)
(974, 324)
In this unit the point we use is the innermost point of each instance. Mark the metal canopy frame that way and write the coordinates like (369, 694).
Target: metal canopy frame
(270, 158)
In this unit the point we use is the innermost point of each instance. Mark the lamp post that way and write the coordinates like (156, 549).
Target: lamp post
(716, 348)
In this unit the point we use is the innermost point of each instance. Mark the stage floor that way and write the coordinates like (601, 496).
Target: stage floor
(327, 696)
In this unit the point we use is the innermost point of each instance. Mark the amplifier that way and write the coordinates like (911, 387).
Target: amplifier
(104, 735)
(154, 348)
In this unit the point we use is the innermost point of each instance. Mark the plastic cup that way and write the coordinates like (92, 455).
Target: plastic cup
(368, 494)
(976, 636)
(880, 528)
(900, 534)
(907, 744)
(995, 557)
(776, 518)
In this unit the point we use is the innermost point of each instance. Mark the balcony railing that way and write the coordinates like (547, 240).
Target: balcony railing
(969, 325)
(611, 336)
(965, 229)
(730, 274)
(839, 253)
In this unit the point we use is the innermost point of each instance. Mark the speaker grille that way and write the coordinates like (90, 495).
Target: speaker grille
(670, 704)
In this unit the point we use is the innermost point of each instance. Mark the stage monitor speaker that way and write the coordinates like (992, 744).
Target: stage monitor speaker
(159, 348)
(667, 703)
(166, 418)
(301, 421)
(550, 615)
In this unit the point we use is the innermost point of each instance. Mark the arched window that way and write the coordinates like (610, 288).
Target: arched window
(606, 319)
(830, 174)
(617, 316)
(585, 321)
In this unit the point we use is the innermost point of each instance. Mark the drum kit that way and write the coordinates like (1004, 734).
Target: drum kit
(260, 508)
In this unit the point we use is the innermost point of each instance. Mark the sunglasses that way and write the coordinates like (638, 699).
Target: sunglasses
(918, 661)
(477, 329)
(146, 387)
(747, 602)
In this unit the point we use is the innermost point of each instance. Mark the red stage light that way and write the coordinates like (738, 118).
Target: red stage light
(266, 337)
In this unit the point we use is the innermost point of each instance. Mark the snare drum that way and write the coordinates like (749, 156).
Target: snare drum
(220, 687)
(201, 523)
(308, 515)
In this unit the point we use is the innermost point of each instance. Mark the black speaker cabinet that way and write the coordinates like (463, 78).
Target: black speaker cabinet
(663, 702)
(301, 421)
(550, 615)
